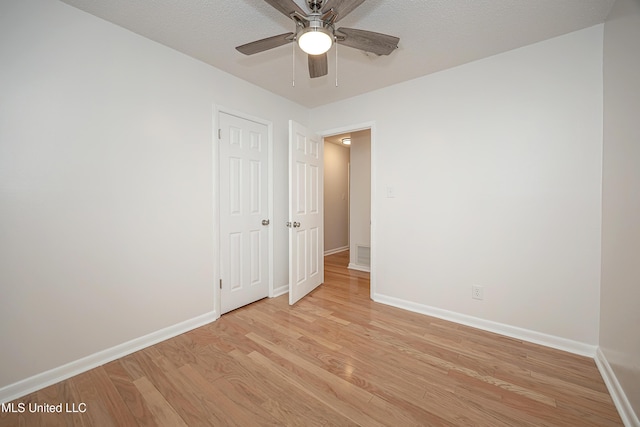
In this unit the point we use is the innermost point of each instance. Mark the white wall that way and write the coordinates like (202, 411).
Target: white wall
(106, 206)
(336, 197)
(496, 166)
(620, 293)
(360, 232)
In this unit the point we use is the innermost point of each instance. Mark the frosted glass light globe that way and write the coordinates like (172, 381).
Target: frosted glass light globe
(315, 41)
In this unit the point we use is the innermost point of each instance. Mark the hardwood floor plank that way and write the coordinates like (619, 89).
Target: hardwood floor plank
(86, 390)
(282, 399)
(401, 413)
(336, 384)
(221, 401)
(130, 365)
(109, 394)
(493, 411)
(130, 394)
(59, 395)
(331, 399)
(257, 319)
(159, 373)
(162, 411)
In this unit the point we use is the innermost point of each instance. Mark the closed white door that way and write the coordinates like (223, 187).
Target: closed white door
(244, 222)
(306, 214)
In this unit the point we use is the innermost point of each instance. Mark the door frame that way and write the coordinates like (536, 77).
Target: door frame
(354, 128)
(215, 153)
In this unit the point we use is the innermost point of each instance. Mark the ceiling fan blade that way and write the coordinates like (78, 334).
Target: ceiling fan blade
(341, 7)
(286, 7)
(265, 44)
(318, 65)
(380, 44)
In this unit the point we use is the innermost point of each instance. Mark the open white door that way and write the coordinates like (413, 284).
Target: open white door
(306, 214)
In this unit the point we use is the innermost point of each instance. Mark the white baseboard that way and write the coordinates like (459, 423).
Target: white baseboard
(280, 290)
(364, 268)
(55, 375)
(487, 325)
(336, 250)
(629, 417)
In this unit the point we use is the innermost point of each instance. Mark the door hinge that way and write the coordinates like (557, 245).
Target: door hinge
(219, 133)
(220, 283)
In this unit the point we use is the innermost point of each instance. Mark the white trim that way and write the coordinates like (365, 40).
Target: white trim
(354, 128)
(628, 415)
(55, 375)
(280, 290)
(270, 197)
(348, 128)
(215, 180)
(358, 267)
(374, 214)
(488, 325)
(336, 250)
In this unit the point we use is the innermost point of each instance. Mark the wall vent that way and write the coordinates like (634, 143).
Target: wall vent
(363, 255)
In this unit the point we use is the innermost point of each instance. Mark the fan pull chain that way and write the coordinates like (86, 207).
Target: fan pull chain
(293, 76)
(336, 43)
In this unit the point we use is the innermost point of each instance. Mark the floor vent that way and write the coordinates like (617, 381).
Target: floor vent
(363, 255)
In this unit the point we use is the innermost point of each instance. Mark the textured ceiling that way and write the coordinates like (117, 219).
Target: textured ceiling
(434, 35)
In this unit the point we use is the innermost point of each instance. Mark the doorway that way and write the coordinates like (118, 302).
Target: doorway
(336, 194)
(348, 196)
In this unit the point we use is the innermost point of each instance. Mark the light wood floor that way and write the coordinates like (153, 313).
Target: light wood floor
(334, 359)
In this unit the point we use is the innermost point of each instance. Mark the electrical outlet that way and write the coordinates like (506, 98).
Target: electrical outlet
(477, 292)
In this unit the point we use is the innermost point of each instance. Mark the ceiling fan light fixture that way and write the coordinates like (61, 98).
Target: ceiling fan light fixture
(315, 40)
(315, 33)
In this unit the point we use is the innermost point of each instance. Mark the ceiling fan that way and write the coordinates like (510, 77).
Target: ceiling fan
(315, 32)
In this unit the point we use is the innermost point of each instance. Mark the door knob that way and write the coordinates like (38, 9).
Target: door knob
(265, 222)
(296, 224)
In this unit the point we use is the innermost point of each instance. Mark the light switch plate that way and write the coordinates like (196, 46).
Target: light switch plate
(391, 192)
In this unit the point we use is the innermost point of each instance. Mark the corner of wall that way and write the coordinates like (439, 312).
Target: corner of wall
(629, 417)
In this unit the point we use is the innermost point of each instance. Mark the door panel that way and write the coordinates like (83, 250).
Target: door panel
(256, 183)
(313, 251)
(306, 238)
(235, 261)
(313, 189)
(301, 248)
(244, 240)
